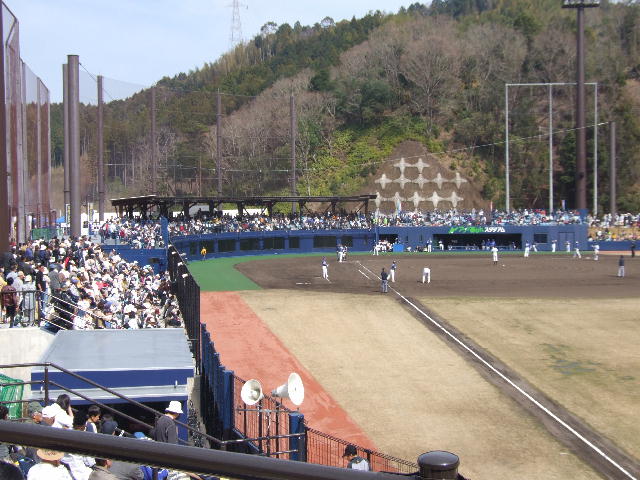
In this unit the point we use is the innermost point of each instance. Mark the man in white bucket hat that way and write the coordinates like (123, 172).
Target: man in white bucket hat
(166, 430)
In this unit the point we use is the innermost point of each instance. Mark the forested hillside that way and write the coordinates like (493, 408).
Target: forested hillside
(433, 74)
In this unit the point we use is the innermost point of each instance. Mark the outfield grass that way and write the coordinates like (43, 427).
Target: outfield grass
(220, 274)
(583, 353)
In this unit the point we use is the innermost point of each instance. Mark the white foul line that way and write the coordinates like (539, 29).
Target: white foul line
(510, 382)
(365, 275)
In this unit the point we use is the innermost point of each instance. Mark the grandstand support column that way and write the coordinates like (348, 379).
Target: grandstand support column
(292, 114)
(73, 84)
(65, 126)
(613, 208)
(5, 215)
(100, 149)
(219, 142)
(154, 157)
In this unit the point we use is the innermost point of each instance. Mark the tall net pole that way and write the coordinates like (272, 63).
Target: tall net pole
(65, 154)
(154, 142)
(73, 83)
(100, 159)
(5, 215)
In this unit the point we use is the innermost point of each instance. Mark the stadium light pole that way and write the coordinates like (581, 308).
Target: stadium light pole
(581, 142)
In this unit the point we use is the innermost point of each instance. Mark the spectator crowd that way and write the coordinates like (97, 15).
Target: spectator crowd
(74, 284)
(140, 233)
(20, 462)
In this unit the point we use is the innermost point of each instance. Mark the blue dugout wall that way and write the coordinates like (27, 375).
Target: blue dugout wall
(325, 241)
(359, 240)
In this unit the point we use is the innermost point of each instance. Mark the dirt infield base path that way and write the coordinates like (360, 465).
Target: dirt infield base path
(249, 348)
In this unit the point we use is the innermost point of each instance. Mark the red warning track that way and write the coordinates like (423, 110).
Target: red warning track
(249, 348)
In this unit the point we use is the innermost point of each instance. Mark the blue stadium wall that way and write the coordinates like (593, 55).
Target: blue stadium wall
(156, 257)
(325, 241)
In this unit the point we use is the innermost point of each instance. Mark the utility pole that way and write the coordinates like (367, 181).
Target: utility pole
(219, 142)
(581, 139)
(550, 148)
(613, 208)
(292, 114)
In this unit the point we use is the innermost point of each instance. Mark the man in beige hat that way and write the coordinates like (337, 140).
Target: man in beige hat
(50, 467)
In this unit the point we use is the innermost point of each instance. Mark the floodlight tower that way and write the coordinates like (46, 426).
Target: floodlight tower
(581, 142)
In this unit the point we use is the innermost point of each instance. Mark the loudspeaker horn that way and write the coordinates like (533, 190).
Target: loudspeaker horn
(293, 389)
(251, 392)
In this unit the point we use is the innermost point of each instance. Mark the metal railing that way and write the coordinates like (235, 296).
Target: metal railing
(187, 291)
(189, 459)
(47, 382)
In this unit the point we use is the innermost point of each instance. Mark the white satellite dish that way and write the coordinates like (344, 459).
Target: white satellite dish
(251, 392)
(293, 390)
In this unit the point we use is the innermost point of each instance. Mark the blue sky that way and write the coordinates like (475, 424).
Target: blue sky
(140, 41)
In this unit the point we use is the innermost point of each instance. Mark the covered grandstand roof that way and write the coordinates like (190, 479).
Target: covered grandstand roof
(146, 204)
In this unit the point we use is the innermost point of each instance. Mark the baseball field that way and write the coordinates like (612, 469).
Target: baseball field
(525, 369)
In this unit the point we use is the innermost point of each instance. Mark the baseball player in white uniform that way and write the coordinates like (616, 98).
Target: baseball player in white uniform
(527, 249)
(426, 275)
(429, 246)
(567, 244)
(596, 250)
(392, 271)
(494, 254)
(554, 244)
(325, 268)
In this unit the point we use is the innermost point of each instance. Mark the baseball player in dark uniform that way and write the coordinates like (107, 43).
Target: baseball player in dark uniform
(384, 277)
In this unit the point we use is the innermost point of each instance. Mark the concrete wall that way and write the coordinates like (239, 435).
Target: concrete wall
(22, 345)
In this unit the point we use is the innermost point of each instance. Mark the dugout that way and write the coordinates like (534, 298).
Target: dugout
(504, 241)
(389, 237)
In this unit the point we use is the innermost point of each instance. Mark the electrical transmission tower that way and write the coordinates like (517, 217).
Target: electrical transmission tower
(236, 26)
